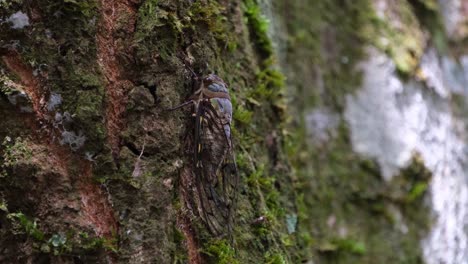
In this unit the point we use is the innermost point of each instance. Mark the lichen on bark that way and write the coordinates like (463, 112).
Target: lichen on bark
(94, 167)
(126, 167)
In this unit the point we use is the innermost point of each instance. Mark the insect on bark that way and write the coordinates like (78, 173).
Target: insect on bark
(214, 166)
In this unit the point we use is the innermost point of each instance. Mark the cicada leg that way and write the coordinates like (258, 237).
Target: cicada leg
(180, 106)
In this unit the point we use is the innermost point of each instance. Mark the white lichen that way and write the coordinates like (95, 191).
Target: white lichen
(291, 223)
(55, 100)
(73, 140)
(18, 20)
(321, 125)
(454, 17)
(390, 120)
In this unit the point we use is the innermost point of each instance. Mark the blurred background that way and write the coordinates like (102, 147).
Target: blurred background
(382, 87)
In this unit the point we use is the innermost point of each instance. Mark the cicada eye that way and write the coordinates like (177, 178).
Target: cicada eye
(213, 78)
(216, 87)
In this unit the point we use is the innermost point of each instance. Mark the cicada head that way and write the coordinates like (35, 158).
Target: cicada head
(215, 84)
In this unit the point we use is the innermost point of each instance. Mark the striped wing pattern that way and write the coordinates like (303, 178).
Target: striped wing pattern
(215, 167)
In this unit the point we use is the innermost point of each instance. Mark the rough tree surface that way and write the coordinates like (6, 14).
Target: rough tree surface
(93, 169)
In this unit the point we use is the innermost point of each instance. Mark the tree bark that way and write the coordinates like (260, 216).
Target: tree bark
(94, 169)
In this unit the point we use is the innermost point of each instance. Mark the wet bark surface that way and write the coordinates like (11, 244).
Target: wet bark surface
(93, 167)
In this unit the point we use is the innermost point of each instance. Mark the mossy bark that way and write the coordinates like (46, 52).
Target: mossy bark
(92, 162)
(347, 212)
(92, 165)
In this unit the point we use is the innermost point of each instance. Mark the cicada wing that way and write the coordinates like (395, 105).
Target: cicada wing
(204, 179)
(215, 170)
(230, 185)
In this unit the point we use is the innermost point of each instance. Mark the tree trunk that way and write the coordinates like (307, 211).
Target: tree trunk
(94, 169)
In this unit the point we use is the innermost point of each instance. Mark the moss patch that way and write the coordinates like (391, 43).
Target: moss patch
(62, 243)
(346, 212)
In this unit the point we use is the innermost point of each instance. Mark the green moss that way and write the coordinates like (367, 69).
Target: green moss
(57, 245)
(220, 252)
(349, 245)
(428, 13)
(62, 243)
(88, 105)
(211, 13)
(86, 8)
(15, 151)
(275, 258)
(429, 4)
(405, 45)
(270, 83)
(417, 191)
(258, 24)
(367, 208)
(6, 84)
(243, 115)
(9, 3)
(3, 206)
(180, 254)
(149, 17)
(26, 225)
(63, 47)
(340, 190)
(86, 243)
(413, 181)
(258, 107)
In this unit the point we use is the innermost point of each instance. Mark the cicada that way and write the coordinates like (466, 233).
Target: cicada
(213, 162)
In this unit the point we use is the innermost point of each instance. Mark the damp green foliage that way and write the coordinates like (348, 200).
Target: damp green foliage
(275, 258)
(258, 24)
(341, 246)
(366, 209)
(63, 48)
(211, 13)
(270, 81)
(15, 151)
(3, 206)
(428, 14)
(9, 3)
(220, 252)
(180, 254)
(6, 85)
(258, 114)
(405, 45)
(428, 4)
(243, 115)
(326, 35)
(26, 225)
(64, 243)
(86, 8)
(87, 242)
(345, 210)
(349, 245)
(58, 243)
(417, 191)
(150, 17)
(411, 185)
